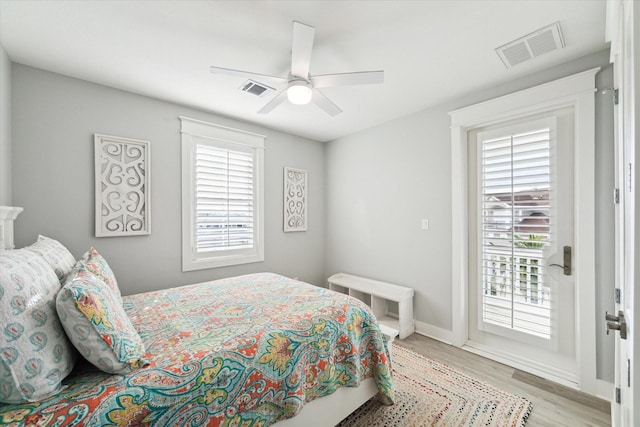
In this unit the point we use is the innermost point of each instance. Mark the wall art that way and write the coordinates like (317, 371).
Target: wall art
(122, 186)
(295, 199)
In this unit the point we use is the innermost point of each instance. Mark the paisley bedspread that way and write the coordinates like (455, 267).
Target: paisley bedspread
(244, 351)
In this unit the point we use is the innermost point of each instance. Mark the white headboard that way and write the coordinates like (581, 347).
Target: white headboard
(7, 215)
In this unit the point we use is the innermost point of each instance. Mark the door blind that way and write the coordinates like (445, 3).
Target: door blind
(515, 231)
(224, 199)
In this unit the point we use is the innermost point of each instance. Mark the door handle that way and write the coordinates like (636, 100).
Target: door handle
(566, 261)
(617, 323)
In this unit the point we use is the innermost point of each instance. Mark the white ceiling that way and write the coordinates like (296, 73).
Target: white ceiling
(431, 51)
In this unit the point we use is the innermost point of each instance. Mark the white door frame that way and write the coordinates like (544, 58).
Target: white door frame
(623, 31)
(577, 91)
(636, 182)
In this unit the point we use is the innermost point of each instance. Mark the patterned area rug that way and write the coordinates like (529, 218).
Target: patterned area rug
(429, 393)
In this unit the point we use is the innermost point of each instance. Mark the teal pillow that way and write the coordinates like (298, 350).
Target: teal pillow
(97, 325)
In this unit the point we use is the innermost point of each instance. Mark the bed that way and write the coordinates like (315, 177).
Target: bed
(243, 351)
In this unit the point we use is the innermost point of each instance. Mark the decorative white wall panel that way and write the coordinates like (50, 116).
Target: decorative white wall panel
(122, 168)
(295, 199)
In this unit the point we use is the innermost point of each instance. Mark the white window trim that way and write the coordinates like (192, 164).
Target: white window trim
(577, 91)
(191, 128)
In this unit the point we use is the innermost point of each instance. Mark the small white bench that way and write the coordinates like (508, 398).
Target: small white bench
(377, 294)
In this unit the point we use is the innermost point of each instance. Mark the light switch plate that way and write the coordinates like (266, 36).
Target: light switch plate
(425, 224)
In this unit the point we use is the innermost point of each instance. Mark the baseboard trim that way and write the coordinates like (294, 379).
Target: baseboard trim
(434, 332)
(605, 390)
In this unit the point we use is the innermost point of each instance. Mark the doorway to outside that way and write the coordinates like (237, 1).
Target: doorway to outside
(522, 190)
(521, 221)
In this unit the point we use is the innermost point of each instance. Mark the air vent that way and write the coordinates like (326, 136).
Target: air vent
(532, 45)
(256, 88)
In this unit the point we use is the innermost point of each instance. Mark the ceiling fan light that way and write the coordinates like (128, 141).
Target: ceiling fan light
(299, 92)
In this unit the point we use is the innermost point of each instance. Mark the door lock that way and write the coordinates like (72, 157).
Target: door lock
(616, 323)
(566, 261)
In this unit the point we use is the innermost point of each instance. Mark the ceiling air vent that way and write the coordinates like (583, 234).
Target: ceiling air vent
(532, 45)
(256, 88)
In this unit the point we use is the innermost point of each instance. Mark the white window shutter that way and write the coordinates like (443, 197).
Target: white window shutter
(222, 200)
(515, 179)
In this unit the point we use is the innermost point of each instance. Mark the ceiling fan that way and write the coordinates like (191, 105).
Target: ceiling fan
(302, 88)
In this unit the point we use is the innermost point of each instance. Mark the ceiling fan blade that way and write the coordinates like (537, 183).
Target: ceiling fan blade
(325, 103)
(301, 49)
(275, 101)
(347, 79)
(232, 72)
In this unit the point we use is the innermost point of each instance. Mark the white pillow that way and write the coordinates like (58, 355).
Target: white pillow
(35, 354)
(54, 252)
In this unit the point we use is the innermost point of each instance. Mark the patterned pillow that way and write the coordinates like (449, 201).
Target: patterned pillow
(96, 264)
(58, 257)
(35, 354)
(97, 325)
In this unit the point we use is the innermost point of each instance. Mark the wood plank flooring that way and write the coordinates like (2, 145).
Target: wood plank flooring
(553, 405)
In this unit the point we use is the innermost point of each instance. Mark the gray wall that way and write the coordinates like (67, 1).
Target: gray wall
(54, 119)
(381, 182)
(377, 184)
(5, 128)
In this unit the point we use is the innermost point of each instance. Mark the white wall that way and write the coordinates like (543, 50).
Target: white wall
(381, 182)
(5, 128)
(54, 119)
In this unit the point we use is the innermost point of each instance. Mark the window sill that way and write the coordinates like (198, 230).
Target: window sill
(191, 264)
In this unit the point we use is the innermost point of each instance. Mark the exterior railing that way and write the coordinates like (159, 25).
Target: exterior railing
(520, 272)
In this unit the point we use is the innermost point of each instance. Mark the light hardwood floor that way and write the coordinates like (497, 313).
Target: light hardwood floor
(553, 405)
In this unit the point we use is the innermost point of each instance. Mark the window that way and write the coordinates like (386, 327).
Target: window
(222, 203)
(515, 209)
